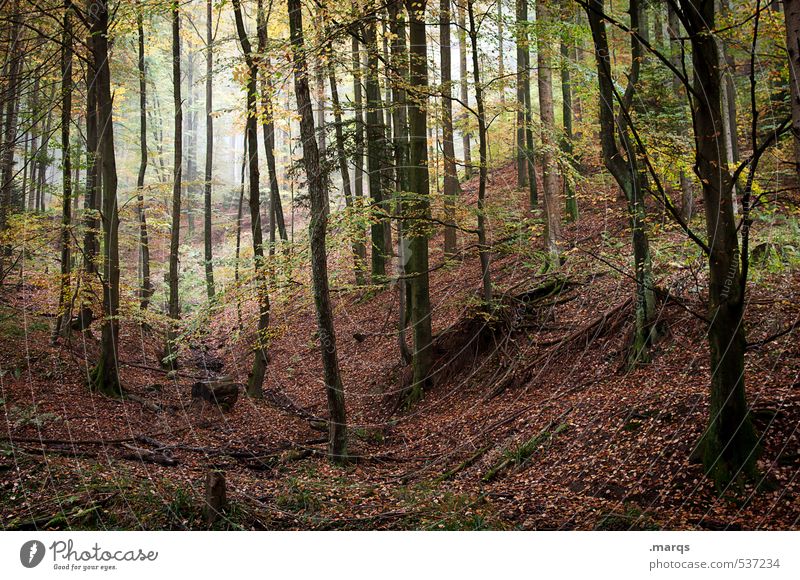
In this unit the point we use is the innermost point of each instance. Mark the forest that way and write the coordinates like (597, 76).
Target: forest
(399, 265)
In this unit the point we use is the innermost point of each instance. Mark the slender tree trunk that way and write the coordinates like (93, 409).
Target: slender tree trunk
(358, 154)
(626, 171)
(729, 447)
(34, 147)
(342, 157)
(418, 208)
(571, 203)
(91, 244)
(268, 127)
(174, 244)
(209, 167)
(376, 153)
(791, 10)
(501, 57)
(451, 187)
(685, 183)
(239, 234)
(522, 73)
(146, 290)
(255, 383)
(10, 119)
(42, 158)
(399, 83)
(462, 61)
(552, 206)
(483, 247)
(104, 378)
(64, 315)
(337, 421)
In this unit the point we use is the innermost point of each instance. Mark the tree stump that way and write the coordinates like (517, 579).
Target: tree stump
(215, 498)
(222, 392)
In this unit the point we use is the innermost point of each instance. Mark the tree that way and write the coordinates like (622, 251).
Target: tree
(104, 378)
(483, 247)
(175, 232)
(255, 382)
(417, 208)
(552, 205)
(337, 420)
(451, 187)
(376, 151)
(276, 219)
(526, 167)
(63, 318)
(464, 87)
(146, 290)
(791, 10)
(209, 167)
(624, 166)
(730, 446)
(571, 204)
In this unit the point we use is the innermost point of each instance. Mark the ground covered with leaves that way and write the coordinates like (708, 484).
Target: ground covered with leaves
(534, 420)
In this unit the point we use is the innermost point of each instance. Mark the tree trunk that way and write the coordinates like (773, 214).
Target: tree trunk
(791, 10)
(552, 205)
(209, 168)
(174, 244)
(255, 383)
(10, 119)
(400, 80)
(64, 314)
(571, 203)
(462, 62)
(276, 219)
(625, 170)
(342, 157)
(526, 166)
(684, 182)
(105, 378)
(337, 423)
(729, 446)
(418, 208)
(376, 154)
(483, 248)
(451, 187)
(146, 290)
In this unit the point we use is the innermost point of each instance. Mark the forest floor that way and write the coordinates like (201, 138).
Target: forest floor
(534, 420)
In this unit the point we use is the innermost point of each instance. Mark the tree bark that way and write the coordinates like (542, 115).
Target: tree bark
(791, 10)
(376, 153)
(255, 383)
(337, 422)
(418, 207)
(684, 182)
(483, 247)
(104, 378)
(462, 62)
(146, 290)
(729, 447)
(64, 315)
(174, 244)
(209, 168)
(552, 205)
(10, 121)
(276, 219)
(451, 186)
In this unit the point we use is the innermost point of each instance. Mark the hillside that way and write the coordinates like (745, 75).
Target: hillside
(534, 420)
